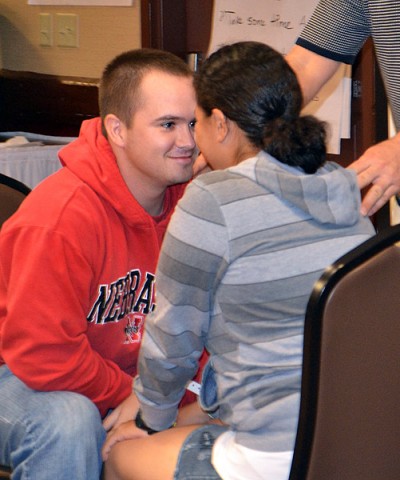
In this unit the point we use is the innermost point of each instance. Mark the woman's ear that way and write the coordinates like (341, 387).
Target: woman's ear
(115, 129)
(221, 124)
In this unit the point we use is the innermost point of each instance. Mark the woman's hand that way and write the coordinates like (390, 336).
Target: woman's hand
(124, 431)
(125, 411)
(200, 165)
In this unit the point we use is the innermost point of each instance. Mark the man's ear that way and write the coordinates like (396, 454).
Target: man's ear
(115, 129)
(221, 123)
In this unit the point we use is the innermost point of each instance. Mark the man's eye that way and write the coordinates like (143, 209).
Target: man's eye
(168, 125)
(192, 124)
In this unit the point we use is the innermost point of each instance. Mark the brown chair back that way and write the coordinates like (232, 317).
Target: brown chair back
(349, 424)
(12, 192)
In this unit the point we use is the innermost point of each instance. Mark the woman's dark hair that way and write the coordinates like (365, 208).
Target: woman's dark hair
(255, 87)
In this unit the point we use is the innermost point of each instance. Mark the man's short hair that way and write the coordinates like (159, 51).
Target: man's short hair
(119, 92)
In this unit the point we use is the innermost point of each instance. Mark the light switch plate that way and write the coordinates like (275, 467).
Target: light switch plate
(45, 29)
(67, 30)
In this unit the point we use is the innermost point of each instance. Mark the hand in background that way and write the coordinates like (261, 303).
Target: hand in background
(379, 169)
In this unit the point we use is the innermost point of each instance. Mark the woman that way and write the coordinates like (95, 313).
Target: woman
(242, 252)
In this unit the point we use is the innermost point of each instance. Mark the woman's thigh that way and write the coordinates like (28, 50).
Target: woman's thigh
(167, 455)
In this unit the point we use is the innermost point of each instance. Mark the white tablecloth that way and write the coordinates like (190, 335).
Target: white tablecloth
(31, 163)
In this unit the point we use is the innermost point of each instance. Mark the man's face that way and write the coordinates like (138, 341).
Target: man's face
(159, 146)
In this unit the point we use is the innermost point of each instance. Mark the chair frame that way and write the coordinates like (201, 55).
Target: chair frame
(14, 184)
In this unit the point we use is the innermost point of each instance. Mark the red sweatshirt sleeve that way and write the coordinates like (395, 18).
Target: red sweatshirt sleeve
(45, 284)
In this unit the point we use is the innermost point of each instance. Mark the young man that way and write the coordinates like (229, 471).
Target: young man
(77, 269)
(335, 33)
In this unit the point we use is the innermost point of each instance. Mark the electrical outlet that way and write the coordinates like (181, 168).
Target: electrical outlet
(67, 30)
(45, 29)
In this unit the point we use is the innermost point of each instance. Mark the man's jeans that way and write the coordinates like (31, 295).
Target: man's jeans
(48, 435)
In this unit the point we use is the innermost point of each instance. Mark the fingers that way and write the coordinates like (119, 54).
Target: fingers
(124, 431)
(376, 197)
(379, 192)
(105, 451)
(382, 186)
(125, 412)
(378, 169)
(110, 420)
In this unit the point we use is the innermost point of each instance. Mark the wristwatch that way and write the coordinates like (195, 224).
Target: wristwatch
(139, 422)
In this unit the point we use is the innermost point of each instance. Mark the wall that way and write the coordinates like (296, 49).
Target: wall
(103, 33)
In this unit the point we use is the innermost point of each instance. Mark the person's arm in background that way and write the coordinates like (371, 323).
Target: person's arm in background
(312, 70)
(379, 166)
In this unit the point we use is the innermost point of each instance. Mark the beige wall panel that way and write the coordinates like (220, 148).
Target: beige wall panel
(103, 33)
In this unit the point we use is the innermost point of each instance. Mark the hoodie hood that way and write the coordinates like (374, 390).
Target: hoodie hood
(92, 160)
(330, 196)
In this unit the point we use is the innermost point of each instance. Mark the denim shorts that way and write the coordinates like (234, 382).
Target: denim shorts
(194, 462)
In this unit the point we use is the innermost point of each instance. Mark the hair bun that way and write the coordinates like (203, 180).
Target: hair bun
(297, 141)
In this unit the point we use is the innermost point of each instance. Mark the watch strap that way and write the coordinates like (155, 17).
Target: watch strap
(140, 423)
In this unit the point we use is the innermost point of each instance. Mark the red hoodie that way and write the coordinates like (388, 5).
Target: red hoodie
(77, 272)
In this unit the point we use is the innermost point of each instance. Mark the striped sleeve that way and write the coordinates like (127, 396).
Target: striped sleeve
(336, 30)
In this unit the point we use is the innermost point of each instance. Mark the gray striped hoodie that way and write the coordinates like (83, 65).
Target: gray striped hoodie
(240, 257)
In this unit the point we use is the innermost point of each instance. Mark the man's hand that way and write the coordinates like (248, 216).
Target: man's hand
(125, 412)
(379, 169)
